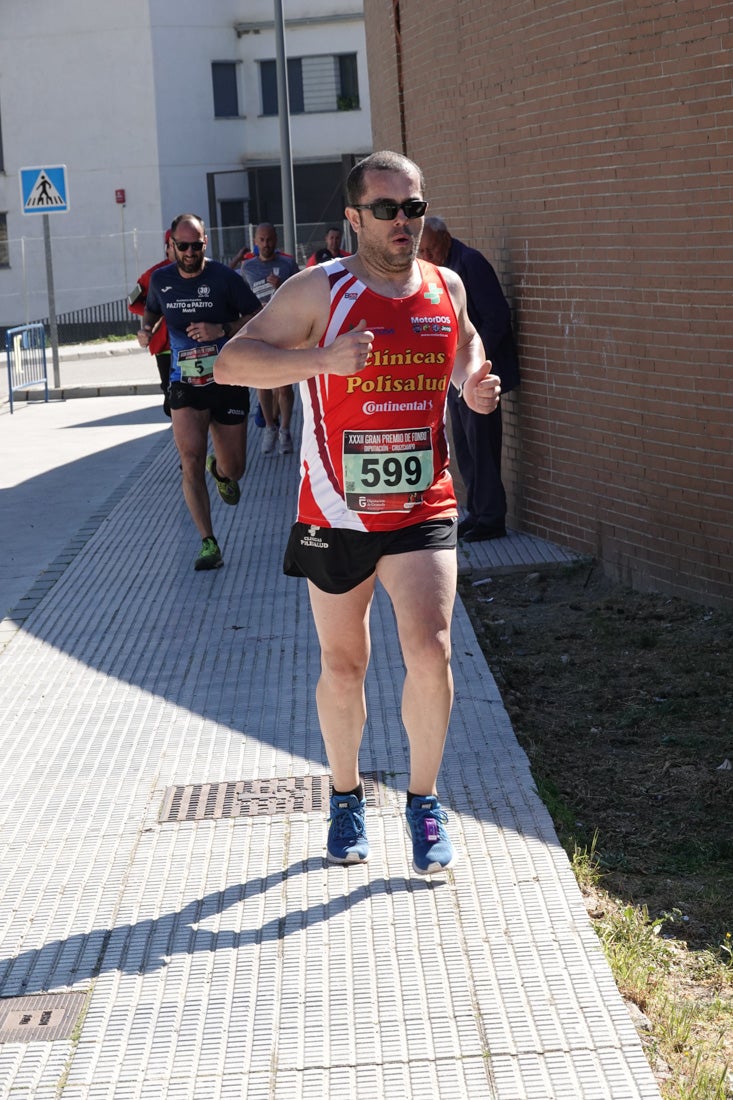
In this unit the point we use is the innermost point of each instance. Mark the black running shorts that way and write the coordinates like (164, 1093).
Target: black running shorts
(227, 404)
(336, 560)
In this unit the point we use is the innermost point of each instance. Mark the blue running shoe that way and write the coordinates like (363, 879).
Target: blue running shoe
(431, 847)
(259, 418)
(347, 840)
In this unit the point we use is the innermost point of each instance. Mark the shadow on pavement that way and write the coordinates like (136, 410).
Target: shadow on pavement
(151, 943)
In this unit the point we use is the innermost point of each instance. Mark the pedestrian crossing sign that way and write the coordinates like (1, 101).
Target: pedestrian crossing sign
(43, 190)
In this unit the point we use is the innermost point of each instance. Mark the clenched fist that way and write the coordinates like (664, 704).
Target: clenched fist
(482, 390)
(349, 352)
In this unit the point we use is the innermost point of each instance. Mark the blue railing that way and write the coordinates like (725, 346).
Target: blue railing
(25, 347)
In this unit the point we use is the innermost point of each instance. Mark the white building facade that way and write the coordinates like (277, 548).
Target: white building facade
(157, 107)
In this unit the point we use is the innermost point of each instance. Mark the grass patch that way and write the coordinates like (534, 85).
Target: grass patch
(686, 1037)
(128, 337)
(623, 703)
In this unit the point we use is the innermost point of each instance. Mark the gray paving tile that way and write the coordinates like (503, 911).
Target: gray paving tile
(227, 958)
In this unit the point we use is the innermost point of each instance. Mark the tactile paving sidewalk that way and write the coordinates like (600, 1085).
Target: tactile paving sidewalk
(223, 958)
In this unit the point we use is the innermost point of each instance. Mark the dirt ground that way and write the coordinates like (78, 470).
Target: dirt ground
(624, 704)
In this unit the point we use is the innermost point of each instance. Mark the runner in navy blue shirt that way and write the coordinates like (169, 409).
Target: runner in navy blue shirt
(203, 303)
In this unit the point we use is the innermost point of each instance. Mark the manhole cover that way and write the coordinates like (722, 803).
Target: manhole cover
(256, 798)
(45, 1017)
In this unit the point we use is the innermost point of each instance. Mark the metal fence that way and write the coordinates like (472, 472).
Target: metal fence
(90, 323)
(25, 348)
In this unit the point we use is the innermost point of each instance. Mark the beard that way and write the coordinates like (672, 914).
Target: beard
(192, 266)
(379, 254)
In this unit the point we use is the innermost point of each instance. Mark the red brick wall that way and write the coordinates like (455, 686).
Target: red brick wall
(587, 150)
(383, 76)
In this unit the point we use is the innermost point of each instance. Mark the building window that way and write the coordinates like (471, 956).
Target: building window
(325, 82)
(348, 99)
(4, 250)
(268, 85)
(234, 225)
(226, 93)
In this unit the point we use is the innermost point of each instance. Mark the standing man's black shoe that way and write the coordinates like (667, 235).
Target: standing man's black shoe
(465, 526)
(481, 533)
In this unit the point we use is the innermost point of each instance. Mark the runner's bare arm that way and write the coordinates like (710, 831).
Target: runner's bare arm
(149, 324)
(214, 330)
(233, 327)
(471, 375)
(150, 319)
(279, 345)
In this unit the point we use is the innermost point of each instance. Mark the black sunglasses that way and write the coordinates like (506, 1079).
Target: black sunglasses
(386, 211)
(183, 246)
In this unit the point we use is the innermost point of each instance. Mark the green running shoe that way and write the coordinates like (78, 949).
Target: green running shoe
(228, 489)
(209, 556)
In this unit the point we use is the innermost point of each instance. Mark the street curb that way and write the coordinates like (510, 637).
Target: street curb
(99, 351)
(70, 352)
(68, 393)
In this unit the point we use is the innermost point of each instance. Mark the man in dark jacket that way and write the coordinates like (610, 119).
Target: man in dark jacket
(477, 439)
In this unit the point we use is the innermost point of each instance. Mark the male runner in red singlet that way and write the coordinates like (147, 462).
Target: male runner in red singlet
(375, 340)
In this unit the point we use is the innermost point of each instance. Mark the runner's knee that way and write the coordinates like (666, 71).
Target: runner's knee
(340, 666)
(428, 654)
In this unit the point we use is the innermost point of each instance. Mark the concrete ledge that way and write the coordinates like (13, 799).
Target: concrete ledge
(67, 393)
(99, 351)
(88, 351)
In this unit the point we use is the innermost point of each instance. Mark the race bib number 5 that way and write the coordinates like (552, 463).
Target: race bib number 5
(197, 364)
(387, 471)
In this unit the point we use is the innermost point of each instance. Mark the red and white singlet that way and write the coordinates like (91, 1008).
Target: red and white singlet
(374, 455)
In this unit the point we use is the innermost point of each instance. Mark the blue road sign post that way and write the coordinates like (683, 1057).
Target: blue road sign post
(43, 190)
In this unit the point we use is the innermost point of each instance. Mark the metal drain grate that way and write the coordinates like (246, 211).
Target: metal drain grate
(43, 1017)
(256, 798)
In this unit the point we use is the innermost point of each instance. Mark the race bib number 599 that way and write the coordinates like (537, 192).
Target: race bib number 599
(387, 471)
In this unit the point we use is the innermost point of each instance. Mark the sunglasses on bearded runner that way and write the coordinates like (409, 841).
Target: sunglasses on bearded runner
(183, 246)
(384, 210)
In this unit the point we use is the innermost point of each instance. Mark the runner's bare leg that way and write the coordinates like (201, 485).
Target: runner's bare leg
(422, 587)
(342, 625)
(230, 448)
(285, 400)
(190, 432)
